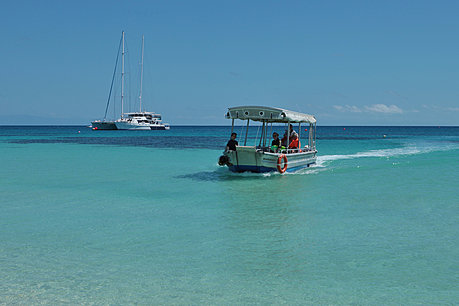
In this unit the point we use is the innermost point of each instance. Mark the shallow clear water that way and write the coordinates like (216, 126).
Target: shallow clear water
(116, 217)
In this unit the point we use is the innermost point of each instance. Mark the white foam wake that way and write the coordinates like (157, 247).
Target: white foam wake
(410, 150)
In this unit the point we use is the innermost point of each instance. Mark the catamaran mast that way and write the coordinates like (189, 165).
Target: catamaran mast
(141, 78)
(113, 79)
(122, 80)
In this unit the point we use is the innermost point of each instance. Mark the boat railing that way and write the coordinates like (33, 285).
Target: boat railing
(284, 151)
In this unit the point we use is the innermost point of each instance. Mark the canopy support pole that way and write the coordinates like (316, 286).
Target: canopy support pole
(255, 142)
(232, 126)
(299, 135)
(288, 135)
(263, 134)
(246, 132)
(266, 134)
(315, 133)
(271, 128)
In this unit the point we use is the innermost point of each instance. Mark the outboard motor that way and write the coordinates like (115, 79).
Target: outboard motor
(224, 161)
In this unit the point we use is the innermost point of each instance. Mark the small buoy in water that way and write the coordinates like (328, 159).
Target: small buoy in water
(344, 129)
(384, 135)
(79, 132)
(306, 130)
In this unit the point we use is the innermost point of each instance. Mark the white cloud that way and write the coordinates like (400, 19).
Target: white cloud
(375, 108)
(348, 108)
(383, 108)
(453, 109)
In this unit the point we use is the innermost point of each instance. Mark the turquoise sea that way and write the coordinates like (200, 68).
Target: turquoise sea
(148, 217)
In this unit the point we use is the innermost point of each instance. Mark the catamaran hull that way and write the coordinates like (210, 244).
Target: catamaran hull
(131, 126)
(249, 159)
(140, 127)
(103, 125)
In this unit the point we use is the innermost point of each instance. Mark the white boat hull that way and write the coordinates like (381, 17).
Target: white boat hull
(125, 125)
(249, 158)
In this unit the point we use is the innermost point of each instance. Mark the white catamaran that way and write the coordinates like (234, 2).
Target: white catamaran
(263, 157)
(141, 120)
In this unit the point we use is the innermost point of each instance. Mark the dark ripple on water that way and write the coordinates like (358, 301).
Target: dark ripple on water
(173, 142)
(221, 174)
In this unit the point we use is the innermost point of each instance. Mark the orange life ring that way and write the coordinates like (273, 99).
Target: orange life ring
(279, 163)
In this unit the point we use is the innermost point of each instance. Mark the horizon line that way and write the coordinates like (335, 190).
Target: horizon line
(219, 125)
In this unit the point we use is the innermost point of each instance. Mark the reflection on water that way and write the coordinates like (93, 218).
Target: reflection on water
(223, 174)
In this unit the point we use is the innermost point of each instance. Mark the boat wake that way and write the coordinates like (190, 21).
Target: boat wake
(323, 161)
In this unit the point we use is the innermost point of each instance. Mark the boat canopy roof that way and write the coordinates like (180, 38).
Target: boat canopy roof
(268, 114)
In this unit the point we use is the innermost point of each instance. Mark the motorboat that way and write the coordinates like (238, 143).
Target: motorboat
(264, 157)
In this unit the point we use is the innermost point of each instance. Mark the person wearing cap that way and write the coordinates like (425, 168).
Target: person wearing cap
(287, 135)
(295, 142)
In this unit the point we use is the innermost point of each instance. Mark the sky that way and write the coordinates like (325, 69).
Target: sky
(345, 62)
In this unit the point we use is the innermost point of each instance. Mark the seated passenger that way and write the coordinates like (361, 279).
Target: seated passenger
(287, 135)
(295, 143)
(275, 144)
(232, 143)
